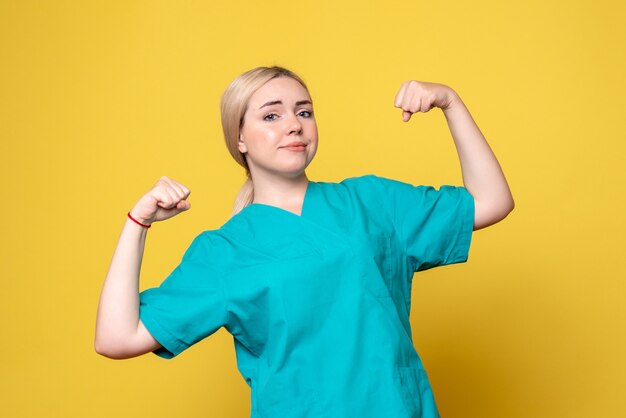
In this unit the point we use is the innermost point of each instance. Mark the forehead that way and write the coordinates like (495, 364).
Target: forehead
(285, 89)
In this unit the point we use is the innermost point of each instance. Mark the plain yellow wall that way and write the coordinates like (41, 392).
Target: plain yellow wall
(99, 99)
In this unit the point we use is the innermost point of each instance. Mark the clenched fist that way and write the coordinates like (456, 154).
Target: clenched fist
(167, 198)
(421, 96)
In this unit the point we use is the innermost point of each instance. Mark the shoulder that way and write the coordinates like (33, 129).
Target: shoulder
(361, 183)
(211, 246)
(201, 247)
(398, 196)
(349, 190)
(373, 186)
(388, 187)
(364, 194)
(372, 181)
(225, 246)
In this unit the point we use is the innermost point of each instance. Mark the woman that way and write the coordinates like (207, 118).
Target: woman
(312, 279)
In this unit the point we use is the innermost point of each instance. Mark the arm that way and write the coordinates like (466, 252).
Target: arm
(482, 175)
(119, 332)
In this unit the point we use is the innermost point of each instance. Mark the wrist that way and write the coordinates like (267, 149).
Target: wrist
(145, 223)
(452, 100)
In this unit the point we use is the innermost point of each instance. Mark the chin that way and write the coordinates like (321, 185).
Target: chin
(295, 167)
(293, 172)
(291, 168)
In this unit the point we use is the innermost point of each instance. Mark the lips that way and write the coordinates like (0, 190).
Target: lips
(295, 144)
(298, 146)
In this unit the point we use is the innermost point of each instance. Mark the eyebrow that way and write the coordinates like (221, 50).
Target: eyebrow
(274, 102)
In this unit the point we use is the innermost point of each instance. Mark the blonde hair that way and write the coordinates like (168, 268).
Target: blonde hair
(234, 105)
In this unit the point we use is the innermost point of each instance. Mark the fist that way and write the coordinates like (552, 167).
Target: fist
(167, 198)
(420, 96)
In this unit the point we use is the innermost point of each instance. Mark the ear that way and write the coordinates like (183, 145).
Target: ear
(241, 145)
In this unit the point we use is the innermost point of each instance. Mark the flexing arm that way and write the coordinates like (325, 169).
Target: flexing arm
(119, 332)
(482, 175)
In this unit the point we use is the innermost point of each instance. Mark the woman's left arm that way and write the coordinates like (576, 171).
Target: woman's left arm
(482, 175)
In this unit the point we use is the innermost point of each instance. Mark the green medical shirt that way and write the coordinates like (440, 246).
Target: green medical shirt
(318, 304)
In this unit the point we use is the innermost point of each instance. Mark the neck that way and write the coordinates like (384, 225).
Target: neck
(282, 192)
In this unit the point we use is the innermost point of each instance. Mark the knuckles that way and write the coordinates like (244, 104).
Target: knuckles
(415, 84)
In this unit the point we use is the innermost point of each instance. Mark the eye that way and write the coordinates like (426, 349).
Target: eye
(270, 117)
(305, 114)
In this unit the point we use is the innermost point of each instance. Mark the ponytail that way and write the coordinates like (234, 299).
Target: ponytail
(245, 196)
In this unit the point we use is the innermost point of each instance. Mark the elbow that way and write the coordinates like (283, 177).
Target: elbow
(110, 349)
(105, 350)
(124, 346)
(101, 349)
(487, 214)
(507, 206)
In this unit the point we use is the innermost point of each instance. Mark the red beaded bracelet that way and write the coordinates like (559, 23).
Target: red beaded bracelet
(137, 222)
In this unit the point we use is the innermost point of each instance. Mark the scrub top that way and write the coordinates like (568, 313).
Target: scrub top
(318, 303)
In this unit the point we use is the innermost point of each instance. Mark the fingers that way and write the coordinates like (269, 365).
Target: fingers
(165, 199)
(415, 104)
(183, 205)
(408, 99)
(170, 193)
(400, 95)
(415, 96)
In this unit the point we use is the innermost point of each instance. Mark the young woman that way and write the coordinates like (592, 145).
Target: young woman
(312, 279)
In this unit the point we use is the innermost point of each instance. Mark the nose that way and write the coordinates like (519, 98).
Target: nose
(295, 126)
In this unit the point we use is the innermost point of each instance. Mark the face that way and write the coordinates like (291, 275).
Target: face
(279, 134)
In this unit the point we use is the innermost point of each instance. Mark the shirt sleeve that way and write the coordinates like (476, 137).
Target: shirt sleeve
(434, 225)
(189, 305)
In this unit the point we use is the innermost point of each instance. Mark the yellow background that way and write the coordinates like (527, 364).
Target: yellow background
(100, 99)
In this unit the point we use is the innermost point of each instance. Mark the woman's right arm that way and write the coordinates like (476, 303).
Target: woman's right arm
(119, 332)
